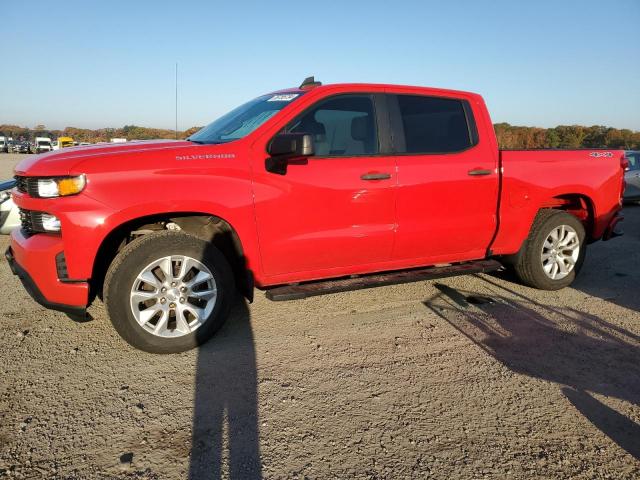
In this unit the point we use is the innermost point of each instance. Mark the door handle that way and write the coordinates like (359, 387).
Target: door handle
(479, 172)
(375, 176)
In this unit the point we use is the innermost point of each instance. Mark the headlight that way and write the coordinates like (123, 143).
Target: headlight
(60, 187)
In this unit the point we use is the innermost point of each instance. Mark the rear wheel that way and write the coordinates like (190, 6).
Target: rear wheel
(168, 292)
(554, 251)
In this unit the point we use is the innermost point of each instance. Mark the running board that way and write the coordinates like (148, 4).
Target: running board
(322, 287)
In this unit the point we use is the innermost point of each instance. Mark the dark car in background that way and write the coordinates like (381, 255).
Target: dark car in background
(22, 147)
(632, 177)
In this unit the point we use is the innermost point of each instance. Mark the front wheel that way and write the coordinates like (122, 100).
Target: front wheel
(168, 292)
(554, 251)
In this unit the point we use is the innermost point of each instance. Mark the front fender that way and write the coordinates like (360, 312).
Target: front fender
(240, 219)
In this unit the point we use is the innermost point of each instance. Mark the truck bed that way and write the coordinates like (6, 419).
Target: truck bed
(581, 178)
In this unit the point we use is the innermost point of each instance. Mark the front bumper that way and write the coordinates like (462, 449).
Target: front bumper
(33, 260)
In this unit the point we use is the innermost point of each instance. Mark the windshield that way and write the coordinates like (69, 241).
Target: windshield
(244, 119)
(634, 160)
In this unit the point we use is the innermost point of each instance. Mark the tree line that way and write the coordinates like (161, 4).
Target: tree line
(130, 132)
(509, 136)
(566, 136)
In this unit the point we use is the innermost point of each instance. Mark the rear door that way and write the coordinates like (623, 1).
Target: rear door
(447, 180)
(334, 211)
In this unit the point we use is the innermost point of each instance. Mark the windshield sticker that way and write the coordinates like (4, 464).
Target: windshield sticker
(283, 97)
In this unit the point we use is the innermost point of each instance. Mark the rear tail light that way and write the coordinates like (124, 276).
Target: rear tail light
(624, 163)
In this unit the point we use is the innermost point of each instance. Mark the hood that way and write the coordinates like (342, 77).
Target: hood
(62, 162)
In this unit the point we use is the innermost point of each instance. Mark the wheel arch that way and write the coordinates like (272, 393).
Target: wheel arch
(579, 205)
(208, 227)
(516, 223)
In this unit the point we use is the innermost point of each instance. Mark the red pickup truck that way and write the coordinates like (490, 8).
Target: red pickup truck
(300, 192)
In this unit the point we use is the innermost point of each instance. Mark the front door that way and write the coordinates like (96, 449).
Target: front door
(333, 212)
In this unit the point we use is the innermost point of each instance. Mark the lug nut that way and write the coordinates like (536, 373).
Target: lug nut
(163, 300)
(163, 289)
(183, 289)
(172, 305)
(181, 299)
(173, 284)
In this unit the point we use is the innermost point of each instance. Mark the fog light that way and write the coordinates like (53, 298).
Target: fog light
(50, 223)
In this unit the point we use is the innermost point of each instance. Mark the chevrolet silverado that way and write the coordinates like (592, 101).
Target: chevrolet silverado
(304, 191)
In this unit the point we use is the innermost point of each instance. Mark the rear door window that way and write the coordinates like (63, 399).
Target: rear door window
(434, 124)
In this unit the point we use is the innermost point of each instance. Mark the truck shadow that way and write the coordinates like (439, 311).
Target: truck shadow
(579, 351)
(225, 416)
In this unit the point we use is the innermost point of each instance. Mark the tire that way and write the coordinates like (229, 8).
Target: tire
(535, 255)
(123, 283)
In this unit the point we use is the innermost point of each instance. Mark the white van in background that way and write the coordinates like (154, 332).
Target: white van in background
(4, 145)
(42, 144)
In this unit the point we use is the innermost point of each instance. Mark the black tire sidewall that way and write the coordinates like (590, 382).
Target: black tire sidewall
(134, 258)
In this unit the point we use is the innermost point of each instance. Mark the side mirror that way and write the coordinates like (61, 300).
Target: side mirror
(285, 147)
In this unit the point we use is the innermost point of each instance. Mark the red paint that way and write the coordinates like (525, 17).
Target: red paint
(320, 219)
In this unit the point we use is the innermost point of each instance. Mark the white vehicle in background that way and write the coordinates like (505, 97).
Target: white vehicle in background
(42, 144)
(4, 145)
(9, 214)
(118, 140)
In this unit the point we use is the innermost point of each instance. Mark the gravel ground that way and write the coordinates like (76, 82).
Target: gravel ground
(410, 381)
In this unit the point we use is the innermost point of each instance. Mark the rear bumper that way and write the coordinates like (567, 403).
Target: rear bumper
(613, 229)
(33, 260)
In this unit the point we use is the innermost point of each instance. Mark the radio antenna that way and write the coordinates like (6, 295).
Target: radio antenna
(176, 100)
